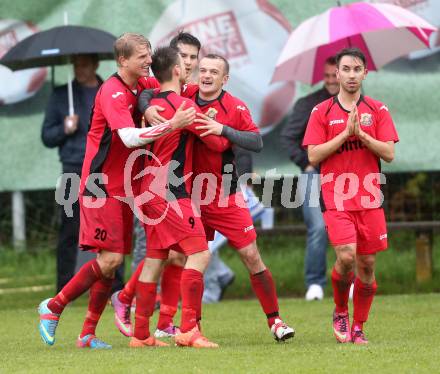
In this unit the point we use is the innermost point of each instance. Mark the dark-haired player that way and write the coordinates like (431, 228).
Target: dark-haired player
(170, 218)
(348, 135)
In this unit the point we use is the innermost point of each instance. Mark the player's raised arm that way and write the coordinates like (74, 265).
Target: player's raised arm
(249, 140)
(151, 113)
(134, 137)
(214, 142)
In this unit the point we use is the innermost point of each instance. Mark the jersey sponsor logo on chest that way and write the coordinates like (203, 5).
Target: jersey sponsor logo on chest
(335, 122)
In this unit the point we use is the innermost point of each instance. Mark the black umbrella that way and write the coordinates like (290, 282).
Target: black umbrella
(57, 46)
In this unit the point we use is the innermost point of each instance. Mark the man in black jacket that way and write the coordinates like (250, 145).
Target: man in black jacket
(291, 139)
(69, 134)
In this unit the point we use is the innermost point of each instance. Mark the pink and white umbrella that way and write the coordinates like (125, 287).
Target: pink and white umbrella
(383, 32)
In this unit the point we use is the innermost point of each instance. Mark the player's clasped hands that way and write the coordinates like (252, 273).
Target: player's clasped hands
(357, 127)
(211, 126)
(353, 121)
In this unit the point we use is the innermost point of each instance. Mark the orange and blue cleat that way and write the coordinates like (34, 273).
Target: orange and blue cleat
(92, 342)
(48, 323)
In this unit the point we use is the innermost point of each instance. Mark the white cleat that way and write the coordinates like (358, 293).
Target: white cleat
(169, 332)
(314, 292)
(281, 331)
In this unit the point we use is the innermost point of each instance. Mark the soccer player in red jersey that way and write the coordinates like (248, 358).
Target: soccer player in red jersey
(221, 202)
(168, 213)
(106, 221)
(232, 218)
(188, 47)
(349, 135)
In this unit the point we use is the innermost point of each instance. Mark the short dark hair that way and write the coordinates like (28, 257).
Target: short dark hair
(214, 56)
(330, 60)
(164, 60)
(185, 38)
(93, 57)
(353, 52)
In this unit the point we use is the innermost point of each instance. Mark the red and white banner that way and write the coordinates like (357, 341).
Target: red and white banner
(250, 34)
(22, 84)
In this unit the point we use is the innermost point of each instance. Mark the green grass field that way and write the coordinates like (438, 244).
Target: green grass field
(284, 255)
(403, 329)
(403, 333)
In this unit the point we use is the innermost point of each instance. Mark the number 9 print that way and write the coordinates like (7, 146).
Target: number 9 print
(191, 222)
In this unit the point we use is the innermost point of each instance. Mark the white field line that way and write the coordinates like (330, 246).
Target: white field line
(25, 289)
(25, 279)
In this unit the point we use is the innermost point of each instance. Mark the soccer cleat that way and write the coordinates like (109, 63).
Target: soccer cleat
(341, 327)
(281, 331)
(193, 338)
(151, 341)
(48, 323)
(358, 337)
(122, 315)
(168, 332)
(133, 305)
(92, 342)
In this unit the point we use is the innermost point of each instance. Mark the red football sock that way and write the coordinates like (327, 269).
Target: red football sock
(199, 311)
(362, 299)
(145, 299)
(264, 288)
(89, 273)
(191, 285)
(341, 290)
(127, 293)
(170, 294)
(99, 294)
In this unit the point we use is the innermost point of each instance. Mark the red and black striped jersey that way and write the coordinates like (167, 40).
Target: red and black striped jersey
(353, 167)
(169, 167)
(106, 155)
(227, 110)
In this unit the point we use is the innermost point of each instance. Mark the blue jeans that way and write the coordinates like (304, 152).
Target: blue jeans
(316, 257)
(140, 244)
